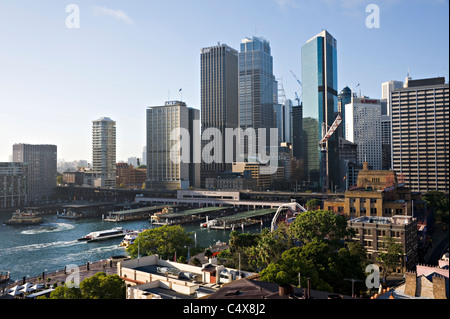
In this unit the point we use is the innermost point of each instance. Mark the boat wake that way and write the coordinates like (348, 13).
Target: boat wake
(34, 247)
(48, 228)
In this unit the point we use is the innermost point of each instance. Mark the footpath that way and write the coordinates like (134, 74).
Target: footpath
(60, 276)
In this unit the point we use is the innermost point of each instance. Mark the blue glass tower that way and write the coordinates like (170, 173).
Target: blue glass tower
(257, 85)
(319, 80)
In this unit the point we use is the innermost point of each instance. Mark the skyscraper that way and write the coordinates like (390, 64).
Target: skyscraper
(42, 163)
(257, 87)
(287, 121)
(386, 111)
(219, 99)
(363, 127)
(297, 131)
(104, 151)
(344, 97)
(420, 134)
(319, 80)
(386, 89)
(165, 128)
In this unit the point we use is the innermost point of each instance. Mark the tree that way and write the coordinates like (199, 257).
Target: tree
(439, 204)
(319, 225)
(63, 292)
(298, 260)
(312, 204)
(103, 286)
(59, 178)
(238, 241)
(99, 286)
(326, 267)
(164, 241)
(269, 248)
(391, 258)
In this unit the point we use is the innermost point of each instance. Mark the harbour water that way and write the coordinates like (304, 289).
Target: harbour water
(31, 250)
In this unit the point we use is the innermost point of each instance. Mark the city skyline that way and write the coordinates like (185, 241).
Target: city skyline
(123, 58)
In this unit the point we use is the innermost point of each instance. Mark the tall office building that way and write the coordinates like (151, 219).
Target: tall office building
(386, 142)
(363, 127)
(104, 152)
(297, 131)
(165, 128)
(344, 97)
(257, 88)
(219, 100)
(420, 134)
(319, 79)
(13, 184)
(386, 111)
(42, 169)
(386, 89)
(286, 119)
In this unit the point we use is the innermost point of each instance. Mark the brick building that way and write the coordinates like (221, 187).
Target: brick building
(371, 232)
(377, 193)
(128, 176)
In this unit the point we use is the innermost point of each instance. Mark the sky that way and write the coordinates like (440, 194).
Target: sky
(130, 54)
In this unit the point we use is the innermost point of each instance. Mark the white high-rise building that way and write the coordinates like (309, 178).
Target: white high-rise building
(386, 89)
(104, 152)
(165, 142)
(363, 127)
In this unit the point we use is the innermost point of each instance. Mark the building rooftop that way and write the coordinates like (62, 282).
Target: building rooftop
(254, 289)
(395, 220)
(104, 119)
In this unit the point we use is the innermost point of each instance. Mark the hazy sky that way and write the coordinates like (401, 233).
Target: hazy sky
(128, 55)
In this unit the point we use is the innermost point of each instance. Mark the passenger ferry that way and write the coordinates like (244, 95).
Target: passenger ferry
(23, 218)
(105, 234)
(130, 238)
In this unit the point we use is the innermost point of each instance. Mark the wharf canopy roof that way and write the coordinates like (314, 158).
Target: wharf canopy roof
(143, 209)
(194, 212)
(249, 214)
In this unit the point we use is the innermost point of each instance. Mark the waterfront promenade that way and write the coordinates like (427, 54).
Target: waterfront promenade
(50, 278)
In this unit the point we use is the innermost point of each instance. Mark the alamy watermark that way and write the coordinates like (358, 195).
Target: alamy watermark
(73, 19)
(373, 19)
(73, 279)
(373, 279)
(238, 145)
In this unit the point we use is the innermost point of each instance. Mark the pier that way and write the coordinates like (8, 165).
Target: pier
(190, 215)
(78, 211)
(246, 218)
(136, 214)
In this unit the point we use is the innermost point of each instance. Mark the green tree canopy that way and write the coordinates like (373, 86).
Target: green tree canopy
(319, 225)
(312, 204)
(103, 286)
(391, 258)
(242, 240)
(439, 204)
(63, 292)
(326, 268)
(164, 241)
(99, 286)
(269, 247)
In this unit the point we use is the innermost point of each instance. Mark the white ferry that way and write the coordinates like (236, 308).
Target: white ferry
(130, 238)
(105, 234)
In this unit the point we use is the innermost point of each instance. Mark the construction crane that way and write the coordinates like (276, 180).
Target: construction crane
(323, 144)
(298, 81)
(297, 99)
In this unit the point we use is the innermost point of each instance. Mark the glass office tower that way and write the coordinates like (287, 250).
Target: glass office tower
(257, 86)
(319, 79)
